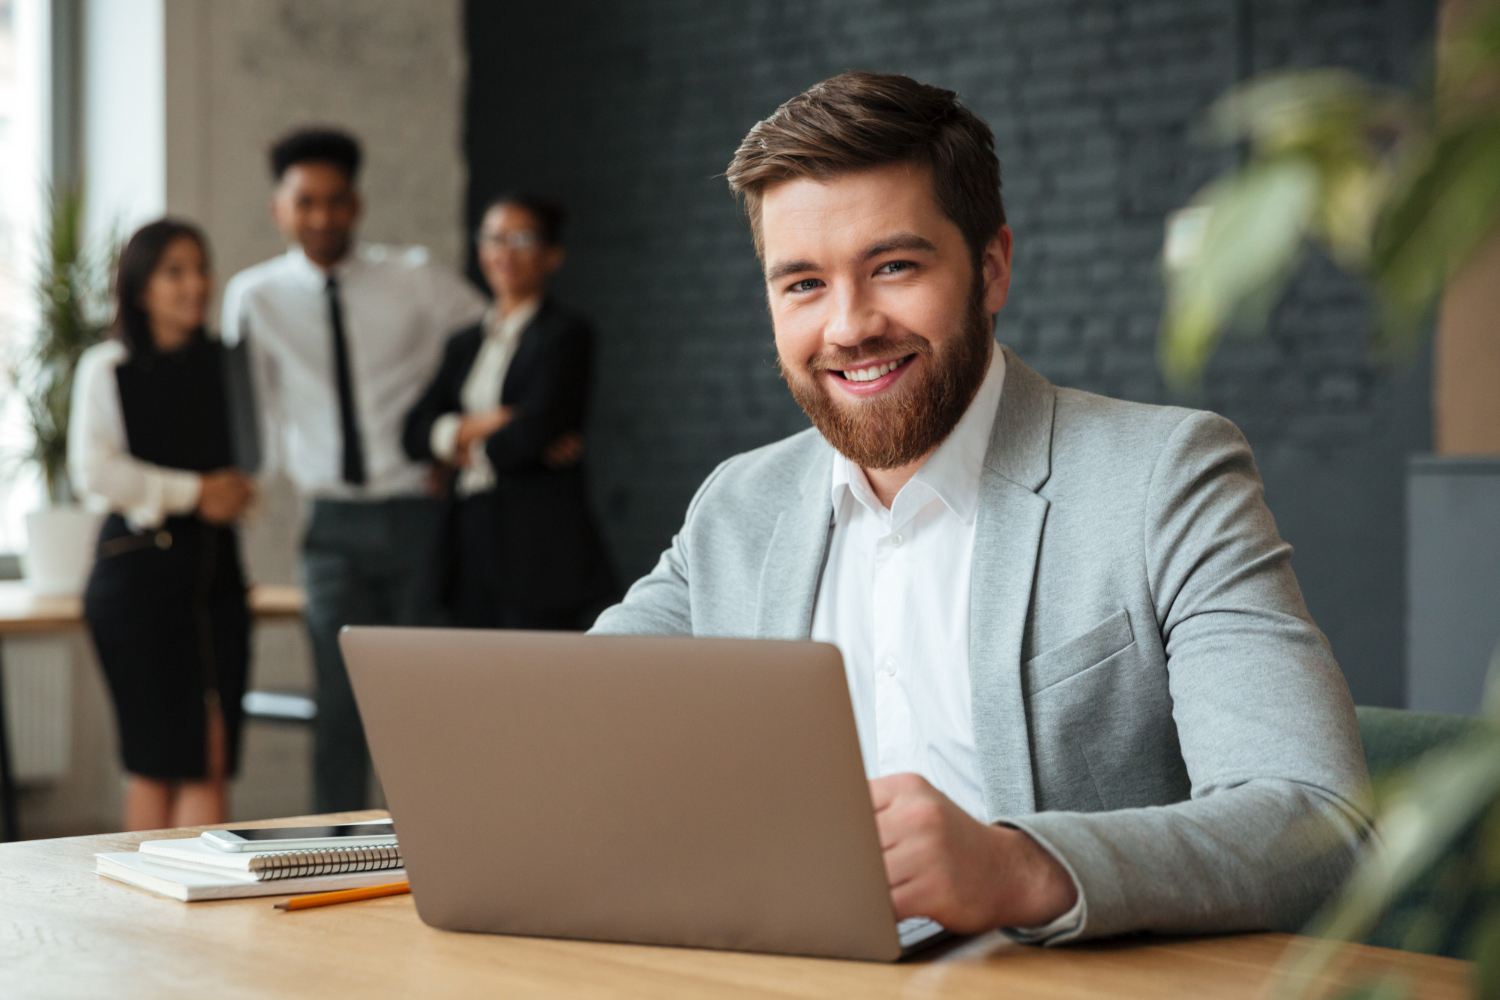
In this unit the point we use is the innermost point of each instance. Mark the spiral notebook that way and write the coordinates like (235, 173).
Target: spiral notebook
(193, 854)
(192, 885)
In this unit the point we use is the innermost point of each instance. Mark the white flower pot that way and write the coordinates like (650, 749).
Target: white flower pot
(60, 545)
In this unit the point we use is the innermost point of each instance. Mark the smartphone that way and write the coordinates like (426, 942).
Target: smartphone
(303, 838)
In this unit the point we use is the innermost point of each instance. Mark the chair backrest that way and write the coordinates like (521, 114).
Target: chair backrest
(1395, 737)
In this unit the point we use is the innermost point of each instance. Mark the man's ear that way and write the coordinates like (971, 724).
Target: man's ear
(555, 257)
(996, 265)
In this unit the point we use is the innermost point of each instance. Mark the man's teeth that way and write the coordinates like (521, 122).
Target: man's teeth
(873, 373)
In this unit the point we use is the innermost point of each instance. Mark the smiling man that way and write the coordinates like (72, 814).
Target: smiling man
(1088, 694)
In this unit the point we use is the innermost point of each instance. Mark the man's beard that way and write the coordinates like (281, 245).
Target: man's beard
(897, 428)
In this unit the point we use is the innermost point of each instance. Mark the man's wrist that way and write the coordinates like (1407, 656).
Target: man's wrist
(1040, 889)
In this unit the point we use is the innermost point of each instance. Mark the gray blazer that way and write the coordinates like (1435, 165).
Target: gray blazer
(1151, 700)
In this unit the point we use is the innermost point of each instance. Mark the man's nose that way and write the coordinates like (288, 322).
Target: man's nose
(853, 318)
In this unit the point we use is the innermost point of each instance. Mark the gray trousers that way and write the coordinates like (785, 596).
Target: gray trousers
(364, 563)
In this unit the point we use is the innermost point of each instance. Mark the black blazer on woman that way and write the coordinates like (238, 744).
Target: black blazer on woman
(544, 546)
(166, 606)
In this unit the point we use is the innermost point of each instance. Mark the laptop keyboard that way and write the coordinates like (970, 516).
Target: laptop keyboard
(914, 930)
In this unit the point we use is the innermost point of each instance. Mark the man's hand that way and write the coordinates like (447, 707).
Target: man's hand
(563, 452)
(944, 864)
(478, 427)
(223, 495)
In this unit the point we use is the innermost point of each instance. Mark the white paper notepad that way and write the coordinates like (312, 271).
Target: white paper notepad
(190, 886)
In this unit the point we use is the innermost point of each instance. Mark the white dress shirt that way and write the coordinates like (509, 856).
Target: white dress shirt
(398, 310)
(894, 598)
(100, 465)
(481, 393)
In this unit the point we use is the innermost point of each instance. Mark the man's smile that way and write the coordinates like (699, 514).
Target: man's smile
(870, 377)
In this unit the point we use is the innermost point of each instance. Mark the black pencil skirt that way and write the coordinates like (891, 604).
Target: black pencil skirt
(169, 618)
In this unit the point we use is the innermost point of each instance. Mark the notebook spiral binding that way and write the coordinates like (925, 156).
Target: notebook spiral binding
(325, 861)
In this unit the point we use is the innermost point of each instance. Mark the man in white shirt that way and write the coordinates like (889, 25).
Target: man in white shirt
(342, 338)
(1088, 695)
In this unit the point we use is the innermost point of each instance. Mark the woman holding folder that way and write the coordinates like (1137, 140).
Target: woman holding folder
(150, 441)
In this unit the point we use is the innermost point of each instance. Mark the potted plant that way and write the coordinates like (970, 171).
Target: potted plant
(1402, 190)
(72, 292)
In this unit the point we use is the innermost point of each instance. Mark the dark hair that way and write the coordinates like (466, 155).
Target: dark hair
(138, 261)
(316, 145)
(549, 215)
(856, 121)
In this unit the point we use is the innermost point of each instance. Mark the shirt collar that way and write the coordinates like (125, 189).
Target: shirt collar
(303, 265)
(510, 326)
(952, 473)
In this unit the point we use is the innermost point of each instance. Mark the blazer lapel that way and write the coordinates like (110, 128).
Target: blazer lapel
(527, 343)
(1007, 538)
(793, 567)
(467, 352)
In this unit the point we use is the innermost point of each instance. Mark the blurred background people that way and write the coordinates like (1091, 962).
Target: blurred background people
(150, 437)
(520, 548)
(342, 337)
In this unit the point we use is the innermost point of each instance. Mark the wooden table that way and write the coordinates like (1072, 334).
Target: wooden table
(25, 613)
(67, 932)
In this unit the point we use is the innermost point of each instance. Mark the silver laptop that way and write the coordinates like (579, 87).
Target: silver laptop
(702, 792)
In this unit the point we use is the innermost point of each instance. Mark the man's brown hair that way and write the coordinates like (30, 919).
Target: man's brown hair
(856, 121)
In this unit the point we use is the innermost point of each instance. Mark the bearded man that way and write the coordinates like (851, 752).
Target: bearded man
(1089, 696)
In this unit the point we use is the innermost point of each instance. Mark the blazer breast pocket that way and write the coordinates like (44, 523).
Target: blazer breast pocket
(1077, 655)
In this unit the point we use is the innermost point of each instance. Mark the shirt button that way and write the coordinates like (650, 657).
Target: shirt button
(888, 667)
(896, 539)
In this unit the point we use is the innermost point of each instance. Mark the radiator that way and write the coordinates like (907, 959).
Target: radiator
(39, 705)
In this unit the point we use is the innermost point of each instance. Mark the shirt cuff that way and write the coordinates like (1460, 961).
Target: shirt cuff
(180, 492)
(1065, 927)
(443, 438)
(1069, 923)
(168, 491)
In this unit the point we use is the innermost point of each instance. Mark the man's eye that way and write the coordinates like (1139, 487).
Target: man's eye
(895, 266)
(805, 285)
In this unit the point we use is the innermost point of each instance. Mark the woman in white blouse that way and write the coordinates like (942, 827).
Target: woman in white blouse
(150, 440)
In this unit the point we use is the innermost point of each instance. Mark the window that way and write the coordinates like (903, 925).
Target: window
(24, 157)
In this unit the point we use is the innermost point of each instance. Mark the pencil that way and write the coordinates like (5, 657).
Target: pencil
(344, 896)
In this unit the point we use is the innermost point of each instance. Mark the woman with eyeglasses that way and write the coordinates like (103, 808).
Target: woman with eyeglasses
(505, 412)
(150, 439)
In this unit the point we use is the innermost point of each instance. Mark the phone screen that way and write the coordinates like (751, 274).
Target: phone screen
(386, 829)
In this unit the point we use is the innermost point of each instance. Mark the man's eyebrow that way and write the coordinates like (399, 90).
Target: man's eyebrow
(787, 268)
(901, 241)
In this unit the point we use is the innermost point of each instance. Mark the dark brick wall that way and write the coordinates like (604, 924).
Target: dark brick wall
(629, 111)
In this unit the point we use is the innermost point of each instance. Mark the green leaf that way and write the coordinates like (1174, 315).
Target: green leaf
(1387, 988)
(1446, 204)
(1256, 221)
(1437, 800)
(1294, 111)
(1441, 795)
(73, 304)
(1486, 954)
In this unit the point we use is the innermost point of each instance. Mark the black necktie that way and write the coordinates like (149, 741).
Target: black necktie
(354, 450)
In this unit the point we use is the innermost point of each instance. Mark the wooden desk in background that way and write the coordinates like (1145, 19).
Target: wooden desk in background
(65, 931)
(24, 613)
